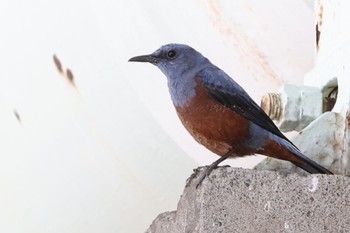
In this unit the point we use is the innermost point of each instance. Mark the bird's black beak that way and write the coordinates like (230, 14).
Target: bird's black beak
(145, 58)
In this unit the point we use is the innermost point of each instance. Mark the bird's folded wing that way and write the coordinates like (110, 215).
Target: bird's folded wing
(228, 93)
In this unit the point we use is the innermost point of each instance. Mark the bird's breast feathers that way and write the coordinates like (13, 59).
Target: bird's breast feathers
(210, 123)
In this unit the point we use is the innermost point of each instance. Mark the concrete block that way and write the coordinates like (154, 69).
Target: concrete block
(241, 200)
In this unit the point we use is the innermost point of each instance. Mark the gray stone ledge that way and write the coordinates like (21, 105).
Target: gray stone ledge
(241, 200)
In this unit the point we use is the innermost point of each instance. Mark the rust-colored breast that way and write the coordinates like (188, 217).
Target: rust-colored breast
(211, 124)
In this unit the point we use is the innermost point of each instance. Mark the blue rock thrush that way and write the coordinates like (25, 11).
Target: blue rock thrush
(218, 113)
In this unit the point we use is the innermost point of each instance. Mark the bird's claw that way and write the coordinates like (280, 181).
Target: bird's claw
(204, 174)
(201, 178)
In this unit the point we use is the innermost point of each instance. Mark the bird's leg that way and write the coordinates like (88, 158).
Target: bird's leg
(214, 165)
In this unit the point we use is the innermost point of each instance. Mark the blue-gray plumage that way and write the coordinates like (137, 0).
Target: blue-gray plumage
(218, 112)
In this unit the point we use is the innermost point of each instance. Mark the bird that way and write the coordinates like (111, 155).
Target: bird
(218, 112)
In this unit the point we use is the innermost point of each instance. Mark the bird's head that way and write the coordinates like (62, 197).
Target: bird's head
(174, 60)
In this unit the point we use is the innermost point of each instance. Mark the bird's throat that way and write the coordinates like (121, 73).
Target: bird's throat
(181, 91)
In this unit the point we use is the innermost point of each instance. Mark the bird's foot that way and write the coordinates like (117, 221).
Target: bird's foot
(214, 165)
(196, 172)
(204, 174)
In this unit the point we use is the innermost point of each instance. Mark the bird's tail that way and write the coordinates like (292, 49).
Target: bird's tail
(309, 165)
(282, 149)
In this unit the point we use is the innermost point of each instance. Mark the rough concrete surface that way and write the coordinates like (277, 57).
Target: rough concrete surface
(240, 200)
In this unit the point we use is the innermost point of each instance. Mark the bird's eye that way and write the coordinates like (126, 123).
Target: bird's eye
(171, 54)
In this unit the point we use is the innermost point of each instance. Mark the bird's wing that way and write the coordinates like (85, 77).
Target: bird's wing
(228, 93)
